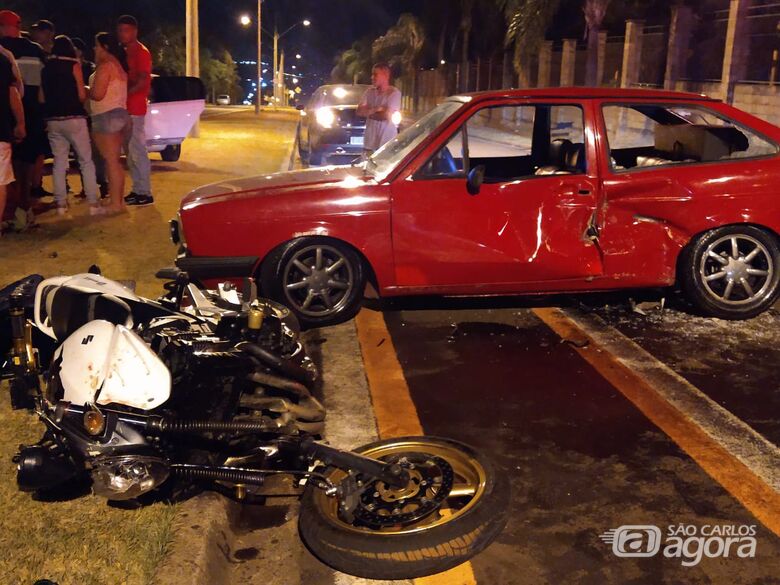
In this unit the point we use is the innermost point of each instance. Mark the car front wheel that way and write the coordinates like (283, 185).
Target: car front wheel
(732, 272)
(320, 280)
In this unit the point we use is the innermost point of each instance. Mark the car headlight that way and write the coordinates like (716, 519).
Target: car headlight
(174, 228)
(396, 118)
(325, 117)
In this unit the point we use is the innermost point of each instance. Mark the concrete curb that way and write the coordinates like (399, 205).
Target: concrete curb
(202, 542)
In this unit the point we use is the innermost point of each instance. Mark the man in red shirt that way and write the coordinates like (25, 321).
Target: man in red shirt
(139, 82)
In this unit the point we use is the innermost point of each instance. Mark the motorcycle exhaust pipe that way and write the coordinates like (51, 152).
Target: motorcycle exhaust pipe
(38, 468)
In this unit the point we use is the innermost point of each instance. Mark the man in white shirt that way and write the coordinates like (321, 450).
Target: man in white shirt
(379, 105)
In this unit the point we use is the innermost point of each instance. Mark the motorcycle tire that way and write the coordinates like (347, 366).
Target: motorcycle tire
(444, 539)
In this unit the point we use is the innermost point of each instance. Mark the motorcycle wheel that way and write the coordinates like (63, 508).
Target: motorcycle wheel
(469, 518)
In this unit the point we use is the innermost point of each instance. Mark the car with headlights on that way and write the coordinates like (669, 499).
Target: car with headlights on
(514, 192)
(330, 132)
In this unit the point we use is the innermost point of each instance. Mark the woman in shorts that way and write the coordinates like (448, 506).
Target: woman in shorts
(108, 110)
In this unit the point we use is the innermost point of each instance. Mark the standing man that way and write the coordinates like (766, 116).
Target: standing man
(27, 154)
(11, 126)
(139, 83)
(42, 32)
(379, 105)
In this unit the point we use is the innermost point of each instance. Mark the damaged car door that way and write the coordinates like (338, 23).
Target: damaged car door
(506, 200)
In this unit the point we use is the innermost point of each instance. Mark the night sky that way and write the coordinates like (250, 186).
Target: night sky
(336, 24)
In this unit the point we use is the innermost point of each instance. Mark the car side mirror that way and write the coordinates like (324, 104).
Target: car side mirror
(474, 179)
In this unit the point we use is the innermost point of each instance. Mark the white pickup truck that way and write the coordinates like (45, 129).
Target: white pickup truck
(176, 104)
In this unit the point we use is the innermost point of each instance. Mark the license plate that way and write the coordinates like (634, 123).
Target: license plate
(356, 140)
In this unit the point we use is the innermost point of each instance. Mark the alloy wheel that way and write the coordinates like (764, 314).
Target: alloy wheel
(318, 281)
(736, 269)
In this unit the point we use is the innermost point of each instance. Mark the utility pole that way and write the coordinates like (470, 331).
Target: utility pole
(193, 49)
(259, 56)
(276, 66)
(282, 87)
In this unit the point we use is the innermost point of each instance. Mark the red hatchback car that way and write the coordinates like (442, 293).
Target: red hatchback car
(512, 192)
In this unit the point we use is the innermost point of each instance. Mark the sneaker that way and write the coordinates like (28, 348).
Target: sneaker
(139, 200)
(129, 199)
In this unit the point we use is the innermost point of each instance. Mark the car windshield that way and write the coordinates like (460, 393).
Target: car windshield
(338, 95)
(386, 158)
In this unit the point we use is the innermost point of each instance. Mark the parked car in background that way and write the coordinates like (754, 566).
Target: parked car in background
(223, 100)
(515, 192)
(176, 104)
(330, 131)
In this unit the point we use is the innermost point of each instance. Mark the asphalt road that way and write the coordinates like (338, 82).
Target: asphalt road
(582, 458)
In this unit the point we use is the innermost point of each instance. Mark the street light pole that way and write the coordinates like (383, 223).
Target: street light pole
(282, 87)
(193, 48)
(276, 66)
(259, 56)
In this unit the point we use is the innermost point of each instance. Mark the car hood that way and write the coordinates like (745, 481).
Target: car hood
(272, 183)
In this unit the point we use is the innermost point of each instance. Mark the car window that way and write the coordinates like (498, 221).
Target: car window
(384, 160)
(501, 138)
(337, 95)
(649, 135)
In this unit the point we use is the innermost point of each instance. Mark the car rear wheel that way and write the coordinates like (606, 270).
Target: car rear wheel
(320, 280)
(171, 153)
(732, 272)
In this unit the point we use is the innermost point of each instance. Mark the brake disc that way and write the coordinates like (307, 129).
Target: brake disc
(430, 482)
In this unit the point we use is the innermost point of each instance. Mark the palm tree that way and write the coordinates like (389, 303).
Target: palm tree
(527, 22)
(354, 64)
(466, 22)
(594, 11)
(401, 47)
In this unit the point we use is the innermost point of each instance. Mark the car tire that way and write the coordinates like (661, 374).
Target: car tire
(171, 153)
(732, 272)
(301, 276)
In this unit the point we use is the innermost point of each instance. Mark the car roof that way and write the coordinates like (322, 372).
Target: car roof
(584, 93)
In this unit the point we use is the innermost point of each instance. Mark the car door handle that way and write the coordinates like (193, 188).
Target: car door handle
(583, 192)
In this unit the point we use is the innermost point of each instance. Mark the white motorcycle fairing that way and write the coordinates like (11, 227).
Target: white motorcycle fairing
(86, 283)
(104, 363)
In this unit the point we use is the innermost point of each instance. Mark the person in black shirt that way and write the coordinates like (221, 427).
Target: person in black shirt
(28, 154)
(63, 93)
(87, 66)
(11, 126)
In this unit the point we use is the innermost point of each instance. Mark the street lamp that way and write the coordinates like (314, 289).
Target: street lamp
(277, 36)
(297, 55)
(245, 20)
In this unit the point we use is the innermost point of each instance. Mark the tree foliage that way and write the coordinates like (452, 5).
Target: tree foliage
(401, 46)
(354, 64)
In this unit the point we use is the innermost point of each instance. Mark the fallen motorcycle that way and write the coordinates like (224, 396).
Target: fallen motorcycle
(213, 388)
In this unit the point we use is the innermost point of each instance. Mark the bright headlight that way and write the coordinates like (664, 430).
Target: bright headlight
(396, 118)
(325, 117)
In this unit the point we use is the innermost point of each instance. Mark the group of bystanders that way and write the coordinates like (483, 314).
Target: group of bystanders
(54, 100)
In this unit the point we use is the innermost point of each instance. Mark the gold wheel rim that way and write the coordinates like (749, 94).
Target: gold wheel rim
(468, 487)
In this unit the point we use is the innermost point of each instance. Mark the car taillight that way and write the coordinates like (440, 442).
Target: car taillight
(325, 117)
